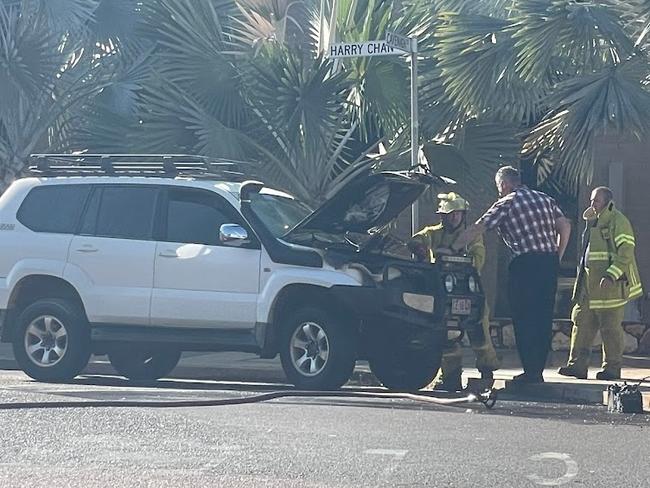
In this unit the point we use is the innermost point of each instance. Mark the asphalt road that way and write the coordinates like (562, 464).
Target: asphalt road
(307, 442)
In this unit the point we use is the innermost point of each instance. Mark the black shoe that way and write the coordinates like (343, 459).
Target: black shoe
(608, 375)
(569, 371)
(486, 374)
(450, 383)
(528, 379)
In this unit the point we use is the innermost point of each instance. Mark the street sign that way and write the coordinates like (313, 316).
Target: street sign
(369, 48)
(399, 42)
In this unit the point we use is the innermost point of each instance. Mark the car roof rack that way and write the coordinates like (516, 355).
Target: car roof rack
(152, 165)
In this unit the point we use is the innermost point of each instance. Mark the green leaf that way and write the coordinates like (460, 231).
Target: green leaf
(476, 57)
(29, 54)
(473, 156)
(68, 15)
(588, 34)
(611, 100)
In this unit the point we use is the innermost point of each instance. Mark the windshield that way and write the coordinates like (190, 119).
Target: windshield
(279, 213)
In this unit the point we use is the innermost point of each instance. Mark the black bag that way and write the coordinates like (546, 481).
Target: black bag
(624, 398)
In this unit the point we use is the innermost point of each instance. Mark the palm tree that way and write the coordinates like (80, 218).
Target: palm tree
(559, 72)
(243, 81)
(246, 79)
(54, 56)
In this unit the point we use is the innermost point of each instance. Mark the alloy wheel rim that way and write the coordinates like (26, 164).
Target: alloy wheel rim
(310, 349)
(46, 341)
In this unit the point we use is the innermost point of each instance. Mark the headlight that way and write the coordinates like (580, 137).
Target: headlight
(472, 284)
(450, 281)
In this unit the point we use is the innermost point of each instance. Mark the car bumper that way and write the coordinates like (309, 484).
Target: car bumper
(407, 308)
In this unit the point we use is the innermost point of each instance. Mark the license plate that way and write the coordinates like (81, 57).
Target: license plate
(461, 306)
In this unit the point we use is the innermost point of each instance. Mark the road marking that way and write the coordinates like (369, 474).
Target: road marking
(397, 454)
(571, 469)
(383, 475)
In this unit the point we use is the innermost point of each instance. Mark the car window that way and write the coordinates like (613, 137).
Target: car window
(195, 217)
(125, 212)
(54, 208)
(279, 214)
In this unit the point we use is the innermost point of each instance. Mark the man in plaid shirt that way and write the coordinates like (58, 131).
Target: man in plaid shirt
(533, 227)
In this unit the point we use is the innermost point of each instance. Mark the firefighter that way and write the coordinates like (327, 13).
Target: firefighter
(437, 239)
(608, 278)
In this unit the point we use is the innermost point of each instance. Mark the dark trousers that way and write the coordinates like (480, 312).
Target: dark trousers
(532, 286)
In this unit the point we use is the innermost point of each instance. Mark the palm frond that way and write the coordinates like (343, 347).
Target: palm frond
(493, 8)
(476, 57)
(282, 21)
(611, 100)
(29, 54)
(118, 20)
(65, 16)
(589, 34)
(191, 41)
(472, 157)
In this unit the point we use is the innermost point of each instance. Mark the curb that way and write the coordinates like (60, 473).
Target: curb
(556, 392)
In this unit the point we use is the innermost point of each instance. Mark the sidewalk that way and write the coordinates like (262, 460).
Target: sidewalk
(242, 367)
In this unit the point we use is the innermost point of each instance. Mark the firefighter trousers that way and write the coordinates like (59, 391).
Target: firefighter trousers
(586, 323)
(486, 356)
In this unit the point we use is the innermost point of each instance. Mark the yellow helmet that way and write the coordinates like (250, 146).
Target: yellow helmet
(450, 202)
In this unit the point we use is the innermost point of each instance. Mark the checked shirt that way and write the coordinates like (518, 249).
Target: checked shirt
(525, 220)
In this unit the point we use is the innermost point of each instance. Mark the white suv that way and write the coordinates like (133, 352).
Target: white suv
(142, 257)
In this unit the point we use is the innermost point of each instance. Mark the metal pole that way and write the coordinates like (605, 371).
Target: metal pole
(415, 147)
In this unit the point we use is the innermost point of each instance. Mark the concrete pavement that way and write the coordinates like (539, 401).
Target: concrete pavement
(242, 367)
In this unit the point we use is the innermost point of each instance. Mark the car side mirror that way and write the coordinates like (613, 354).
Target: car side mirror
(233, 235)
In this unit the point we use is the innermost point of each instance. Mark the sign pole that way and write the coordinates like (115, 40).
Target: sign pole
(394, 44)
(415, 147)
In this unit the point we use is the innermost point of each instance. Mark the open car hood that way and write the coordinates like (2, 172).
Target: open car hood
(368, 201)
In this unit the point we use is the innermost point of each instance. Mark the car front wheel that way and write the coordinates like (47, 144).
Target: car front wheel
(318, 349)
(402, 368)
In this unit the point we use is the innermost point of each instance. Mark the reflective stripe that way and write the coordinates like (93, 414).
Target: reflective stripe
(636, 291)
(624, 239)
(598, 256)
(600, 304)
(615, 271)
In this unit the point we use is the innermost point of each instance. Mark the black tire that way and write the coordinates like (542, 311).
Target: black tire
(340, 340)
(58, 325)
(144, 363)
(402, 368)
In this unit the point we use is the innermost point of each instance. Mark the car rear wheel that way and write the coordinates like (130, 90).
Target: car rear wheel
(144, 363)
(401, 367)
(318, 349)
(52, 340)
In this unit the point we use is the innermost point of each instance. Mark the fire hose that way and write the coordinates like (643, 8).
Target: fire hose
(487, 398)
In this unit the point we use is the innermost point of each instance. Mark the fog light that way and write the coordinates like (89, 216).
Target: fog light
(450, 281)
(472, 284)
(423, 303)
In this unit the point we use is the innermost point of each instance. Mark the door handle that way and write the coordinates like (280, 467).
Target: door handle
(87, 248)
(168, 254)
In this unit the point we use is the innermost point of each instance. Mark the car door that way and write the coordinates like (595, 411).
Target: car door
(112, 257)
(198, 280)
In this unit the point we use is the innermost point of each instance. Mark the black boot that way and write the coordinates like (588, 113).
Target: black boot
(606, 375)
(570, 371)
(451, 382)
